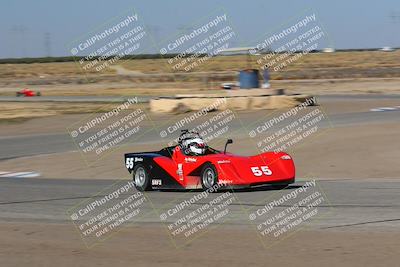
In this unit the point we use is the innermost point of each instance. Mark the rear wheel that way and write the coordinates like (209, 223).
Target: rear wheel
(141, 178)
(209, 176)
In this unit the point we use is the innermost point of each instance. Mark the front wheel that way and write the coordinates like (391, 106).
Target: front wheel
(141, 178)
(209, 176)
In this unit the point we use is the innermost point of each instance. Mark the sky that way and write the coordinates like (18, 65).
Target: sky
(51, 27)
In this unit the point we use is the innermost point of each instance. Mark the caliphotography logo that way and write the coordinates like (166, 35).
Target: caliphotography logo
(199, 133)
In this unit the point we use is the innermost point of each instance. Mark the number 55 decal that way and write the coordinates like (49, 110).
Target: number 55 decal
(264, 170)
(129, 163)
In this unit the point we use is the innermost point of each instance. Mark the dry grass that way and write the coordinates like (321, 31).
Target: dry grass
(156, 78)
(367, 59)
(45, 70)
(354, 60)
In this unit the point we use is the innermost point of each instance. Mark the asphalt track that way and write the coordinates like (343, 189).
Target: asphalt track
(350, 203)
(28, 145)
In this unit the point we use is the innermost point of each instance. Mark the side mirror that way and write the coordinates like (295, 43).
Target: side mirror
(229, 141)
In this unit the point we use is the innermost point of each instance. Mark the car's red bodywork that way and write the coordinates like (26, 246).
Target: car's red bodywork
(232, 169)
(174, 169)
(27, 93)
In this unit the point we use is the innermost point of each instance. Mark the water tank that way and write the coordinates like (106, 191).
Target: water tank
(248, 79)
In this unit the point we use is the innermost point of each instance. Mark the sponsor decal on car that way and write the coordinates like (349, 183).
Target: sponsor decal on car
(180, 171)
(190, 159)
(156, 182)
(222, 181)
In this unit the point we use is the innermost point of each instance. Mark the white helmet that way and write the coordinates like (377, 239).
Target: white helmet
(194, 146)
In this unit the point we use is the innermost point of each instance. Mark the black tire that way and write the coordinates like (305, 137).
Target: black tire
(208, 176)
(18, 94)
(141, 178)
(38, 94)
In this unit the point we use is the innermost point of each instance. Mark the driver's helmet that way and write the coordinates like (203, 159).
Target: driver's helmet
(194, 146)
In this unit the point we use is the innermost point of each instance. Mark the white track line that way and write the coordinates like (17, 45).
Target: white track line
(19, 174)
(385, 109)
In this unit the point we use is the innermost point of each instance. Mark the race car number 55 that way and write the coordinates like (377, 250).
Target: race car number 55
(259, 171)
(129, 163)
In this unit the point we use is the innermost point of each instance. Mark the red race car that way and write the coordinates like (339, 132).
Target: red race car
(27, 92)
(193, 165)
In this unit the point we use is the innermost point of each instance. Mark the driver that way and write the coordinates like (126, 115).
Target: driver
(194, 146)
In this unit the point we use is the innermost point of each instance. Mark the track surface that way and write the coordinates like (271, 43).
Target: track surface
(27, 145)
(359, 223)
(354, 203)
(359, 204)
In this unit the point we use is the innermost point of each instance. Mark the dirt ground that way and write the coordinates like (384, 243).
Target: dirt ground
(131, 88)
(22, 111)
(317, 73)
(359, 60)
(30, 244)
